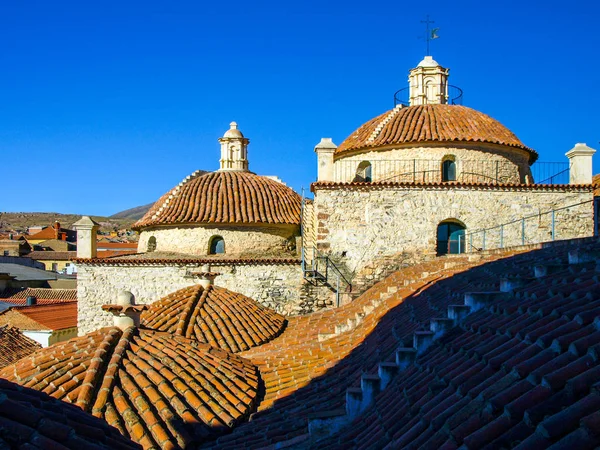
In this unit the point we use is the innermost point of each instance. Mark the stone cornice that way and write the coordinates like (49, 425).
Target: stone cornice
(378, 185)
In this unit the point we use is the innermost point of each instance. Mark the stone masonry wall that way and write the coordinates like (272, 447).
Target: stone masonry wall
(475, 163)
(277, 286)
(195, 240)
(361, 226)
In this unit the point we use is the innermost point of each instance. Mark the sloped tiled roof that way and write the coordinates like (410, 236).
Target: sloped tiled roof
(430, 123)
(52, 255)
(30, 419)
(14, 345)
(54, 316)
(39, 293)
(225, 198)
(216, 316)
(160, 390)
(523, 369)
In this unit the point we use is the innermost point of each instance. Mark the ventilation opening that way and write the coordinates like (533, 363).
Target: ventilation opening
(449, 170)
(363, 172)
(216, 246)
(151, 244)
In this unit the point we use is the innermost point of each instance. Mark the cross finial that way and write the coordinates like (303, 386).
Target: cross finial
(430, 35)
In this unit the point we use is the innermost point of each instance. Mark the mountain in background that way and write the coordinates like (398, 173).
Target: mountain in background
(133, 213)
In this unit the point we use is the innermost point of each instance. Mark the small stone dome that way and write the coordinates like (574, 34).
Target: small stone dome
(428, 61)
(225, 197)
(216, 316)
(233, 131)
(32, 419)
(158, 389)
(430, 123)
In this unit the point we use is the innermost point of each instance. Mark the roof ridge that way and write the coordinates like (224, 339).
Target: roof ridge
(383, 123)
(174, 192)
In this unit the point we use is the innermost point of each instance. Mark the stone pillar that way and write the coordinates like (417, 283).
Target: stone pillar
(325, 150)
(87, 230)
(580, 162)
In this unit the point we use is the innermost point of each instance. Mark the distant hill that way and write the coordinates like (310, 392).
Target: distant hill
(20, 221)
(132, 214)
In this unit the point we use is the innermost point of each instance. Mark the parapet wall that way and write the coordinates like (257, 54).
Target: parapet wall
(361, 224)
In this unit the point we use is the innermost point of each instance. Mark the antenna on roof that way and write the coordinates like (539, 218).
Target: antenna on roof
(430, 34)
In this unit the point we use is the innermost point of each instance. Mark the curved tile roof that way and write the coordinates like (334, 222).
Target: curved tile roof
(159, 390)
(216, 316)
(15, 345)
(32, 419)
(430, 123)
(225, 198)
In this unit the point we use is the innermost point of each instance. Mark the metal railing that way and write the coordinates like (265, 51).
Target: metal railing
(427, 171)
(552, 225)
(321, 269)
(550, 172)
(452, 96)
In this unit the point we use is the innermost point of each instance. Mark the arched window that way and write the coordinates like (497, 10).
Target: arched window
(450, 237)
(216, 246)
(151, 244)
(449, 169)
(363, 172)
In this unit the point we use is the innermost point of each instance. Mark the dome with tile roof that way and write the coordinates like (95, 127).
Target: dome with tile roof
(249, 213)
(159, 390)
(431, 123)
(216, 316)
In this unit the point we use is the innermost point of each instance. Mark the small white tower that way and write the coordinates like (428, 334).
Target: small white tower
(428, 83)
(234, 150)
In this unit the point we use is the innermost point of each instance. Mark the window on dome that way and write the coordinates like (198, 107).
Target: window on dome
(449, 170)
(363, 172)
(450, 237)
(151, 244)
(217, 245)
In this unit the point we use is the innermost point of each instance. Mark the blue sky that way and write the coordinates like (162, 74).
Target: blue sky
(106, 106)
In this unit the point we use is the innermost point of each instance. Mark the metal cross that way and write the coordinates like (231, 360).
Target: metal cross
(429, 34)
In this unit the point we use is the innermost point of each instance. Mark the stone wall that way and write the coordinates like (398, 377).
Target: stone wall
(195, 240)
(475, 163)
(277, 286)
(361, 225)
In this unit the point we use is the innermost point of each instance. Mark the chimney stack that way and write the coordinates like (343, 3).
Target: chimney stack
(325, 150)
(205, 277)
(31, 300)
(87, 229)
(126, 313)
(580, 164)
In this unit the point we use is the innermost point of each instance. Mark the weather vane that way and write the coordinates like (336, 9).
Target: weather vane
(430, 35)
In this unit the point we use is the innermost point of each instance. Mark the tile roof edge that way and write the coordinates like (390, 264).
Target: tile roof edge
(330, 185)
(186, 261)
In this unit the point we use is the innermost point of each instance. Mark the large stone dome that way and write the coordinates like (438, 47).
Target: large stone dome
(430, 123)
(225, 197)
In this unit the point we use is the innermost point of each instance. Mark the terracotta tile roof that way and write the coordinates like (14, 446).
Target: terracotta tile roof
(117, 245)
(14, 345)
(51, 255)
(215, 316)
(596, 183)
(55, 316)
(111, 253)
(146, 259)
(50, 233)
(451, 185)
(512, 371)
(225, 197)
(30, 419)
(160, 390)
(430, 123)
(39, 293)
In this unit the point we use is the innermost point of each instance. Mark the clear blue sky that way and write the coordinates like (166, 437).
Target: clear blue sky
(106, 106)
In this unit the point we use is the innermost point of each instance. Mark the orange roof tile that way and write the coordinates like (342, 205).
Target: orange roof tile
(52, 255)
(216, 316)
(39, 293)
(225, 197)
(160, 390)
(430, 123)
(30, 419)
(14, 345)
(55, 316)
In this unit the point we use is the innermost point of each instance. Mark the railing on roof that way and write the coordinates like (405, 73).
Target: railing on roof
(550, 172)
(555, 224)
(425, 171)
(465, 171)
(454, 95)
